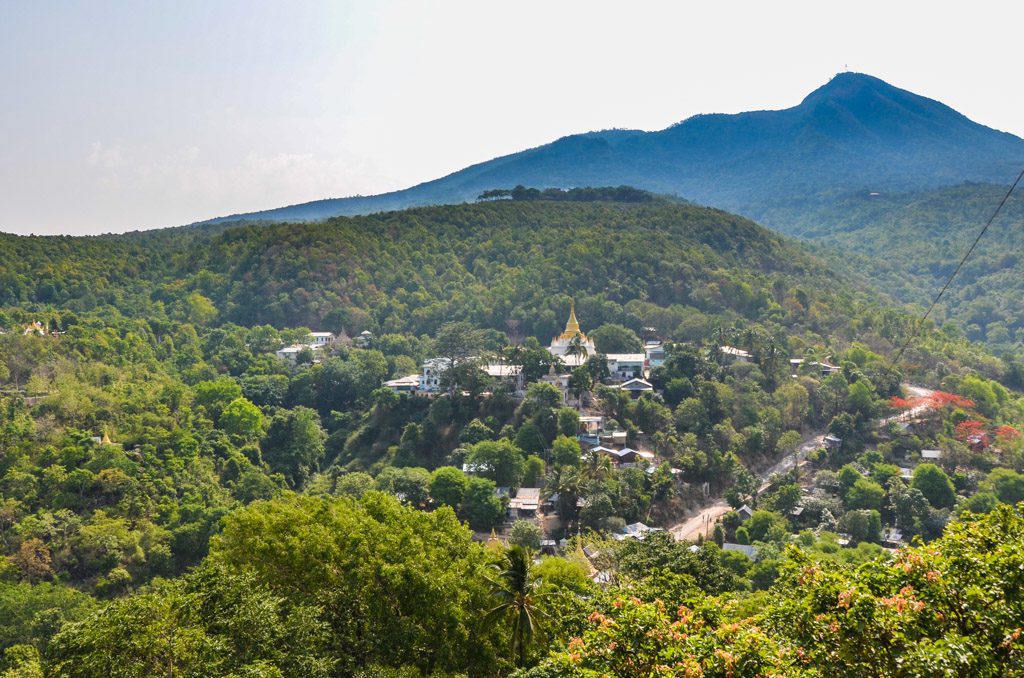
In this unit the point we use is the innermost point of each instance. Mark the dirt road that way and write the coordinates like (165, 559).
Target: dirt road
(703, 522)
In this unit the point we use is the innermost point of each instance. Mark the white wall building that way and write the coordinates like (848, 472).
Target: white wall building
(561, 343)
(625, 366)
(319, 339)
(290, 353)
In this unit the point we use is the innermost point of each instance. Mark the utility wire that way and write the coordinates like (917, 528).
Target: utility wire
(963, 260)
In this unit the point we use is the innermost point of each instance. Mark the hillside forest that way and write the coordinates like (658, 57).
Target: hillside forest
(178, 500)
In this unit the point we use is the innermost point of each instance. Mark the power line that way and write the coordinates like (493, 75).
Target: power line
(920, 323)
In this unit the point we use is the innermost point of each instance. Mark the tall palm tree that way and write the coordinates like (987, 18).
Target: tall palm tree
(516, 590)
(599, 466)
(577, 348)
(771, 356)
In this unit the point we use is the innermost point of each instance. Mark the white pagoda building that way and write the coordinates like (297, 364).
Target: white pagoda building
(561, 344)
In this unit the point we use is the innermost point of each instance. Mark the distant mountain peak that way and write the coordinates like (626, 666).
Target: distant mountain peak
(855, 131)
(848, 81)
(850, 87)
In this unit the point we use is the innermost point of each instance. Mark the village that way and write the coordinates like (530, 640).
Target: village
(605, 442)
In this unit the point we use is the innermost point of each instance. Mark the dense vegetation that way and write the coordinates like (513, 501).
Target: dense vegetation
(307, 586)
(177, 500)
(911, 243)
(509, 266)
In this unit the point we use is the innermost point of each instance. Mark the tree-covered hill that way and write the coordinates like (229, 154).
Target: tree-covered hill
(491, 263)
(177, 499)
(910, 243)
(506, 265)
(410, 271)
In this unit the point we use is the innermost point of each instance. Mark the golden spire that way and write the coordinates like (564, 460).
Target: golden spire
(572, 327)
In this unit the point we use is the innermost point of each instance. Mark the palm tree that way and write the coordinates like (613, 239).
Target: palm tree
(577, 348)
(599, 466)
(516, 589)
(771, 355)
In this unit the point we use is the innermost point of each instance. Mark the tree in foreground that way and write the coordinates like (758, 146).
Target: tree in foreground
(527, 534)
(516, 590)
(951, 608)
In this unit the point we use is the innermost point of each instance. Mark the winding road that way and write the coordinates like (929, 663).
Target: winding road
(703, 522)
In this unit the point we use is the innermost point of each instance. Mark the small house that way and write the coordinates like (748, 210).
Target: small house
(613, 438)
(833, 442)
(591, 425)
(745, 513)
(290, 353)
(637, 387)
(624, 366)
(409, 384)
(320, 339)
(931, 455)
(363, 339)
(590, 430)
(746, 549)
(735, 354)
(892, 538)
(623, 456)
(525, 503)
(635, 531)
(511, 374)
(654, 351)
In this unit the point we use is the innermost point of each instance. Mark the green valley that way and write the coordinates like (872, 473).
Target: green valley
(347, 448)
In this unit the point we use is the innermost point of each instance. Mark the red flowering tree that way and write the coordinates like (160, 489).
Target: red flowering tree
(898, 403)
(971, 431)
(1007, 433)
(940, 400)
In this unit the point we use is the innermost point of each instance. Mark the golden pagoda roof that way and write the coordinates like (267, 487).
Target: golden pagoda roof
(572, 327)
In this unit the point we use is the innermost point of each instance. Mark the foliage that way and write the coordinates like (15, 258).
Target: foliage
(398, 586)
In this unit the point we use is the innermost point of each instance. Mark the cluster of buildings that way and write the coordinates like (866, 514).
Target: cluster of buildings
(739, 355)
(573, 347)
(317, 342)
(36, 329)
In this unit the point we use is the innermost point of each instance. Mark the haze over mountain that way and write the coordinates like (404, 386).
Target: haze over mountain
(854, 133)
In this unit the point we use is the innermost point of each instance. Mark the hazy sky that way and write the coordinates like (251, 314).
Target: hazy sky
(135, 114)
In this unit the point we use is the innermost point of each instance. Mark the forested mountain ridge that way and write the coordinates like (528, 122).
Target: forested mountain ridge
(910, 243)
(680, 269)
(432, 264)
(855, 132)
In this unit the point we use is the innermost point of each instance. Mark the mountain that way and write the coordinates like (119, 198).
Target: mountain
(854, 133)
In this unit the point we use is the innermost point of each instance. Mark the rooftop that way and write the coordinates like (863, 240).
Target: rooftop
(626, 357)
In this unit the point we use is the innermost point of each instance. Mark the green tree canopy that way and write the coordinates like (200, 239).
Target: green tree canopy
(935, 485)
(294, 444)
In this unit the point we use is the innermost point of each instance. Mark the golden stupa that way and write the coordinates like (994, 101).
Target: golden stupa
(560, 345)
(572, 328)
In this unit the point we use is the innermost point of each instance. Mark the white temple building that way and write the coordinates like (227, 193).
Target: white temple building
(560, 345)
